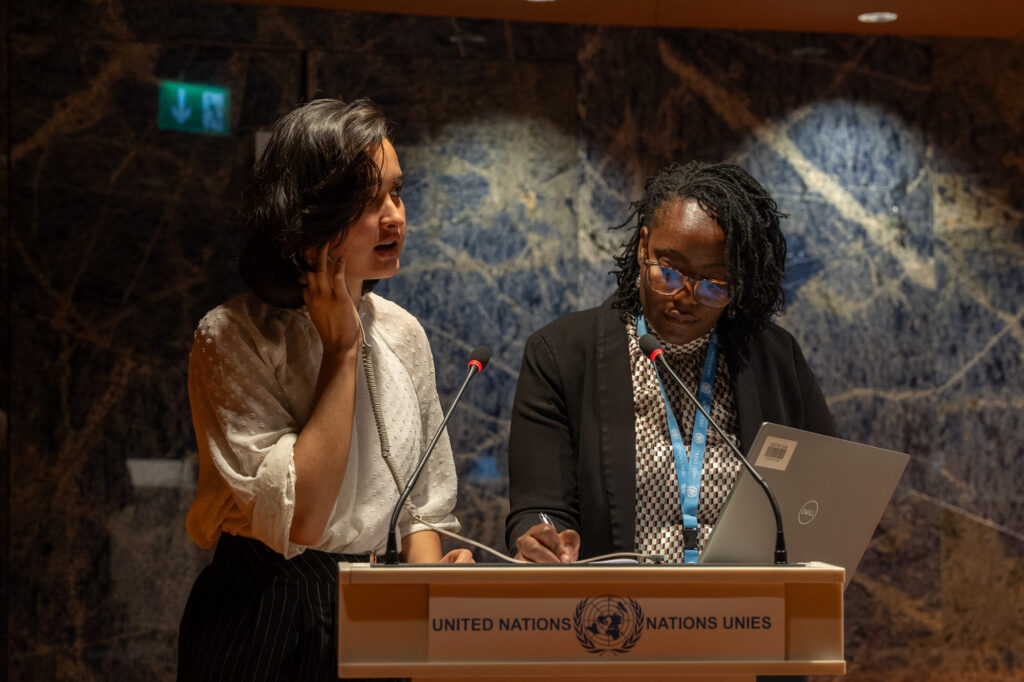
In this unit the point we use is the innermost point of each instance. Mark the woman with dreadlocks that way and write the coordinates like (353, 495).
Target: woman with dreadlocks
(590, 447)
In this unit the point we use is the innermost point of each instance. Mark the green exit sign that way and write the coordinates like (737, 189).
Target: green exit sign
(194, 108)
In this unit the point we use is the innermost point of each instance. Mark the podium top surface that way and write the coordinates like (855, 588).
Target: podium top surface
(367, 574)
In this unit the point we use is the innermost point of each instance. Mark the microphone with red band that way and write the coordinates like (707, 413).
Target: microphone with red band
(651, 347)
(478, 358)
(477, 361)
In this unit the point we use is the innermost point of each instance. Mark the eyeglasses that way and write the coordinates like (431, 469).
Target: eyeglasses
(714, 293)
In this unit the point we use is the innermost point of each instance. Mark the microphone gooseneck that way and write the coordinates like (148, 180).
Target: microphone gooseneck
(651, 347)
(477, 361)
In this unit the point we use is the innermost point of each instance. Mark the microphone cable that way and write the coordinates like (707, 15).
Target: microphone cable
(653, 558)
(378, 418)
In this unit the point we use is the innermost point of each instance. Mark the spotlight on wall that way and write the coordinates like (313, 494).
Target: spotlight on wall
(877, 17)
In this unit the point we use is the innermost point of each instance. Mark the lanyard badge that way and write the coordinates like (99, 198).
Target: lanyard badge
(689, 465)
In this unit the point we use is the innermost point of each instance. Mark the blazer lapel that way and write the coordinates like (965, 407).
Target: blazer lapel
(617, 430)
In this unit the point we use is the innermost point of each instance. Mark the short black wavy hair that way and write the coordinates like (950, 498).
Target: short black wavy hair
(314, 178)
(755, 248)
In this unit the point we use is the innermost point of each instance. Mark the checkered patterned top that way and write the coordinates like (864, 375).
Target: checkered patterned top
(659, 517)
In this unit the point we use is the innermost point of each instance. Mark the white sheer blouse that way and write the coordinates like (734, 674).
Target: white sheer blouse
(252, 374)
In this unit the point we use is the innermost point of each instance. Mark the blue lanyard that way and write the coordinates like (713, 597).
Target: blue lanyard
(689, 466)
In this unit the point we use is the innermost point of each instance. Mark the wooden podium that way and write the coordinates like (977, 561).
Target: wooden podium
(606, 621)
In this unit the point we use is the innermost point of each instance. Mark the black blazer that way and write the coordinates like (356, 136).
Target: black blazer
(572, 446)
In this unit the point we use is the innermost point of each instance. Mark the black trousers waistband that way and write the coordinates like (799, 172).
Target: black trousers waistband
(236, 551)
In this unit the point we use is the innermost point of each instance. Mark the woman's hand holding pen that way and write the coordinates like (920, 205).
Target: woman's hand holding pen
(543, 544)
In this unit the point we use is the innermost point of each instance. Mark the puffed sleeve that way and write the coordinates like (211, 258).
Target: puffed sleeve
(245, 433)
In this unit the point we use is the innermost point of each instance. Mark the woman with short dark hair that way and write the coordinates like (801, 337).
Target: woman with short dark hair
(299, 465)
(312, 181)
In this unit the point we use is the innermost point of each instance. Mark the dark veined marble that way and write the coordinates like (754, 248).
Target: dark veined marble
(899, 162)
(5, 350)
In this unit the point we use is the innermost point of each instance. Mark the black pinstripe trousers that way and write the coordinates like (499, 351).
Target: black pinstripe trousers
(255, 616)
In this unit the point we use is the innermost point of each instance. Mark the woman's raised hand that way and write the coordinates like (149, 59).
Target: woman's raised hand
(321, 451)
(332, 307)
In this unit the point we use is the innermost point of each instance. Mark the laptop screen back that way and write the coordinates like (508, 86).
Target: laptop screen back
(831, 494)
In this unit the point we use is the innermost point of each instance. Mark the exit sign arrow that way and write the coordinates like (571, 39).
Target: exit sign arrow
(179, 111)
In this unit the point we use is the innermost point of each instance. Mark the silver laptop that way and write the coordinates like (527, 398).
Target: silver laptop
(831, 494)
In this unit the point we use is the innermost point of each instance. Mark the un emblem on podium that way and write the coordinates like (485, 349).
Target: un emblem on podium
(608, 624)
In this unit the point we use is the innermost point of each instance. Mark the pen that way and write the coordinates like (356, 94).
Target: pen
(559, 550)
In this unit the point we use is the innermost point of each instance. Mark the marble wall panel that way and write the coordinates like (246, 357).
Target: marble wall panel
(978, 184)
(983, 597)
(894, 608)
(898, 160)
(5, 322)
(269, 27)
(122, 235)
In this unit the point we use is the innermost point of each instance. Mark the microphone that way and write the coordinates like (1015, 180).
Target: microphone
(477, 361)
(651, 347)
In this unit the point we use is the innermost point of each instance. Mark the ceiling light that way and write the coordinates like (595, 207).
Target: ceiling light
(877, 17)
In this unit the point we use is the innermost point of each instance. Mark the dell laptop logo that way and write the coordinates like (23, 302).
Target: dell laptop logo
(807, 512)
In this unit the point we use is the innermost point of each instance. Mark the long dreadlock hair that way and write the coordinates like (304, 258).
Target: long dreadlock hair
(755, 248)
